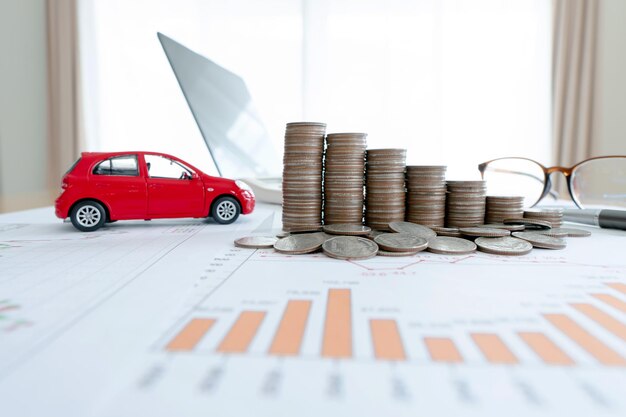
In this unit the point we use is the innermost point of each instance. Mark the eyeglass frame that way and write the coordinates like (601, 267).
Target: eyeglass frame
(547, 171)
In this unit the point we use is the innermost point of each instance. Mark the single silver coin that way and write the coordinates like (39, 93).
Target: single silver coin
(509, 227)
(413, 229)
(347, 229)
(484, 231)
(539, 240)
(571, 232)
(350, 247)
(555, 232)
(401, 242)
(450, 245)
(255, 242)
(530, 223)
(395, 254)
(507, 245)
(300, 243)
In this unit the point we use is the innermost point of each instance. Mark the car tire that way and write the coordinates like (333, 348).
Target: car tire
(88, 216)
(225, 210)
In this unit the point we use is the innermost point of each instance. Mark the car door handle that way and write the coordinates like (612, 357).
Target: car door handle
(156, 186)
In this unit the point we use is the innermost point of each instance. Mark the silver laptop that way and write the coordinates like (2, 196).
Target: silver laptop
(232, 130)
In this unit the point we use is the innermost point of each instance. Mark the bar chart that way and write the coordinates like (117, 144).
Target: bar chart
(388, 342)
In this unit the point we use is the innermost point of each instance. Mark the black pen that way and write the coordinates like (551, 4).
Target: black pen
(608, 219)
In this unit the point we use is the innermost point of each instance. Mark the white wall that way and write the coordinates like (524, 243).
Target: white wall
(610, 116)
(23, 152)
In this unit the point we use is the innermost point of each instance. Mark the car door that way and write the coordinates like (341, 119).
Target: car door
(117, 182)
(174, 190)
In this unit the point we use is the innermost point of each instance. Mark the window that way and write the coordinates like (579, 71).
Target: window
(160, 167)
(454, 81)
(121, 165)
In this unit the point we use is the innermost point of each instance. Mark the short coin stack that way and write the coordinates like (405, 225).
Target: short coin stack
(465, 203)
(499, 208)
(552, 215)
(302, 176)
(385, 195)
(426, 195)
(344, 170)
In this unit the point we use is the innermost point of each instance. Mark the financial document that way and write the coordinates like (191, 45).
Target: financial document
(169, 318)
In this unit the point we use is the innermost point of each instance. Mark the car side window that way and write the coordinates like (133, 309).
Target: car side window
(161, 167)
(119, 165)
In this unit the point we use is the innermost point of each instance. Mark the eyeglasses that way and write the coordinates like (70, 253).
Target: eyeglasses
(596, 182)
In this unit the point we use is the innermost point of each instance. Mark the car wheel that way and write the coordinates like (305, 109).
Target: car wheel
(225, 210)
(88, 216)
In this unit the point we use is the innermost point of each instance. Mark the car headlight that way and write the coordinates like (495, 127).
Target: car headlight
(243, 185)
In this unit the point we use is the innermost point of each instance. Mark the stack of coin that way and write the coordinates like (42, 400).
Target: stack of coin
(302, 176)
(344, 169)
(426, 195)
(499, 208)
(552, 215)
(465, 203)
(384, 187)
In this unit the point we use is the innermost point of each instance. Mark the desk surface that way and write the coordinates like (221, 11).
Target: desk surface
(168, 318)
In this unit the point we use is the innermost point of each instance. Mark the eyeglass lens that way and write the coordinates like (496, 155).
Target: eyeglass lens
(600, 183)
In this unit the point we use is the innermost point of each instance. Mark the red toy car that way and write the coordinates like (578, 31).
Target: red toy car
(111, 186)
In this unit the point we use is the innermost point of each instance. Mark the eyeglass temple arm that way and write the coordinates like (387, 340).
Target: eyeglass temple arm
(553, 193)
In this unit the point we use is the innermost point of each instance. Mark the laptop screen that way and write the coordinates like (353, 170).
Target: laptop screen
(222, 107)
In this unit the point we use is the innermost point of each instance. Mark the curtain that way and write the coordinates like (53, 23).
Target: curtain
(64, 103)
(573, 71)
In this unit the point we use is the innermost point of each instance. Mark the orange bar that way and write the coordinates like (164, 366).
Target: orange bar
(584, 339)
(241, 334)
(494, 348)
(605, 320)
(545, 348)
(188, 338)
(288, 337)
(338, 325)
(442, 349)
(612, 301)
(617, 286)
(387, 340)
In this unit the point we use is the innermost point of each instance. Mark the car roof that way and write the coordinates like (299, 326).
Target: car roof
(121, 153)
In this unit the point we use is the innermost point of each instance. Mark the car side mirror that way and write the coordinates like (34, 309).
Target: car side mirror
(195, 176)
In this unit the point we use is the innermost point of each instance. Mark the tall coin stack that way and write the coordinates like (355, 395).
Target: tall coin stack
(344, 170)
(552, 215)
(500, 208)
(465, 203)
(385, 195)
(302, 176)
(426, 195)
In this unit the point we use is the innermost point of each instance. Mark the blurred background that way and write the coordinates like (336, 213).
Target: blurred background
(455, 82)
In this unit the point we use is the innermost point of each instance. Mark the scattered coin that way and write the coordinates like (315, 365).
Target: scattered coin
(571, 232)
(412, 229)
(484, 231)
(539, 240)
(256, 242)
(282, 234)
(300, 244)
(372, 235)
(447, 231)
(530, 223)
(509, 227)
(347, 229)
(401, 242)
(450, 245)
(394, 254)
(556, 232)
(350, 247)
(507, 245)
